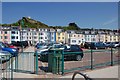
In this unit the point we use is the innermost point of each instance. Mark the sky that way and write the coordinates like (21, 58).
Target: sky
(85, 14)
(60, 0)
(0, 12)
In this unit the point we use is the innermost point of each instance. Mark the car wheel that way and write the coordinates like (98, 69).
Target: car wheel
(78, 58)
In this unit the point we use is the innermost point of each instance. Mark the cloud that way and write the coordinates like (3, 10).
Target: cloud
(110, 21)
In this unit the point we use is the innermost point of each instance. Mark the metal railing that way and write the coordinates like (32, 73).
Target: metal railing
(6, 67)
(92, 59)
(26, 62)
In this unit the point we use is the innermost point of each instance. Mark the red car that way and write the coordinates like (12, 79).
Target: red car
(12, 46)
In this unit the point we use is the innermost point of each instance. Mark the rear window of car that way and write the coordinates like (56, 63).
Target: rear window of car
(75, 48)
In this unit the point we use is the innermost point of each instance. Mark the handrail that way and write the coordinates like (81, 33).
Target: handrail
(84, 75)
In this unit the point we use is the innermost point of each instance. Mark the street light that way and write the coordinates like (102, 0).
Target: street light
(21, 36)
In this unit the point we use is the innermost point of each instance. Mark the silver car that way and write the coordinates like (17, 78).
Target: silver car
(4, 56)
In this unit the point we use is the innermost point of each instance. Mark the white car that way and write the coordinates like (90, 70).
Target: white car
(46, 49)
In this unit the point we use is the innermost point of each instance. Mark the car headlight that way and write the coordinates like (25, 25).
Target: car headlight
(13, 50)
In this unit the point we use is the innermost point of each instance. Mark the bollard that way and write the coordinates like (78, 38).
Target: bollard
(91, 59)
(36, 62)
(11, 69)
(62, 62)
(16, 63)
(111, 57)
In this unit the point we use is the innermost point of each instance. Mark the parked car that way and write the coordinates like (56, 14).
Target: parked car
(116, 44)
(21, 44)
(108, 44)
(98, 45)
(4, 56)
(40, 45)
(11, 46)
(45, 49)
(112, 44)
(70, 52)
(4, 47)
(87, 45)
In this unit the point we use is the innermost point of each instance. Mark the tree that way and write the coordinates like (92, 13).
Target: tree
(73, 26)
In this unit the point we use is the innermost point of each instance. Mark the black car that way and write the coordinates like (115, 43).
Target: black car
(70, 52)
(73, 52)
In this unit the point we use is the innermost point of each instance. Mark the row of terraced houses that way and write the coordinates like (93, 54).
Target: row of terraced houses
(33, 35)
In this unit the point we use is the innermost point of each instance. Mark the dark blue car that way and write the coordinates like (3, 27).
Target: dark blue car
(4, 47)
(98, 45)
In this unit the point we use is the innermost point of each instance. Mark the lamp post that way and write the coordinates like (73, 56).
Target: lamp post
(22, 25)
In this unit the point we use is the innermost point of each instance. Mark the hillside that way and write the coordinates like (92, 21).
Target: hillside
(28, 22)
(31, 23)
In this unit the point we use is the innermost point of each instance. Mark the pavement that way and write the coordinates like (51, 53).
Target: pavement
(108, 72)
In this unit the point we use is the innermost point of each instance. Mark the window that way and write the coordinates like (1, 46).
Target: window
(88, 39)
(58, 34)
(5, 37)
(74, 35)
(79, 41)
(13, 32)
(78, 35)
(58, 37)
(5, 32)
(16, 37)
(30, 37)
(35, 37)
(35, 33)
(17, 32)
(41, 33)
(52, 33)
(62, 37)
(41, 37)
(52, 38)
(1, 37)
(73, 41)
(13, 37)
(45, 37)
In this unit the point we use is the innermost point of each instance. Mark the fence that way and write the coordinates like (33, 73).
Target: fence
(92, 59)
(26, 62)
(6, 69)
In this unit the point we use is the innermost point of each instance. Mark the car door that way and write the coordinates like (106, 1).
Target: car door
(73, 51)
(66, 51)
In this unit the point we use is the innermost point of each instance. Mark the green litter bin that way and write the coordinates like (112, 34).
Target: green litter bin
(55, 61)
